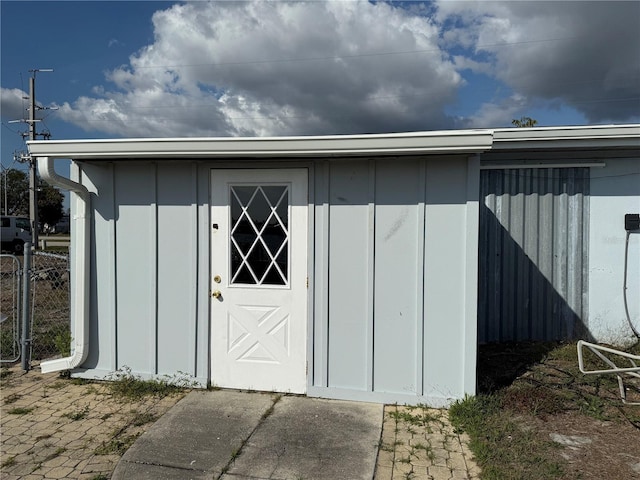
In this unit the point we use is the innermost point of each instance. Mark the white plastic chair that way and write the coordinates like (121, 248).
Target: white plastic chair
(610, 356)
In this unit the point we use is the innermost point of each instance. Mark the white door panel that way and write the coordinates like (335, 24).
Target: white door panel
(259, 278)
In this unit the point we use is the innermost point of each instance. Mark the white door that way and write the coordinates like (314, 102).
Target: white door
(259, 279)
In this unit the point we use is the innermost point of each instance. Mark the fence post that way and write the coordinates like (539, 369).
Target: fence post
(26, 290)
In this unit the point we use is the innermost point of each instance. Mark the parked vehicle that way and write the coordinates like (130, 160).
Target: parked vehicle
(63, 226)
(15, 232)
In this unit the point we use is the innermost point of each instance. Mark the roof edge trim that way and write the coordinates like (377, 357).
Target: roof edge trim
(455, 141)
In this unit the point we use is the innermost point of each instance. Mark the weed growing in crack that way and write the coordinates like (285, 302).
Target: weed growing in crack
(126, 385)
(116, 446)
(9, 462)
(142, 418)
(20, 411)
(14, 397)
(78, 414)
(269, 411)
(385, 447)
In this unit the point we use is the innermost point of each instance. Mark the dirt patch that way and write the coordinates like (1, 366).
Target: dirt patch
(591, 448)
(538, 417)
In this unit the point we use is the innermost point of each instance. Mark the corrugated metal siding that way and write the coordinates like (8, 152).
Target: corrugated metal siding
(533, 254)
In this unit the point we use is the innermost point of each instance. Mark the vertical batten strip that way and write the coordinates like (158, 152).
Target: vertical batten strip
(321, 280)
(203, 310)
(153, 256)
(311, 282)
(193, 314)
(111, 269)
(113, 250)
(420, 268)
(371, 274)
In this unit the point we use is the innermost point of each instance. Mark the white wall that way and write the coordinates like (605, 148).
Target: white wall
(615, 191)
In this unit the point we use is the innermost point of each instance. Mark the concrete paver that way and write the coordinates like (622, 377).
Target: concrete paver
(52, 427)
(419, 443)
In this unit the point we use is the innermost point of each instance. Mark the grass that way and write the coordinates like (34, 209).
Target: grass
(20, 411)
(62, 342)
(142, 418)
(117, 445)
(543, 381)
(124, 385)
(9, 462)
(78, 414)
(14, 397)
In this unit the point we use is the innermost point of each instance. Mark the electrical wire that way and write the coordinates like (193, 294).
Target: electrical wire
(624, 286)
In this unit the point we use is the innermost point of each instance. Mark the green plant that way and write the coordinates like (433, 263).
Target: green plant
(20, 411)
(125, 385)
(8, 345)
(78, 414)
(14, 397)
(8, 462)
(100, 476)
(62, 341)
(117, 445)
(143, 418)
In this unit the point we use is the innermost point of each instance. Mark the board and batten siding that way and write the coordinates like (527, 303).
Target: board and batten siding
(533, 254)
(392, 273)
(395, 264)
(147, 315)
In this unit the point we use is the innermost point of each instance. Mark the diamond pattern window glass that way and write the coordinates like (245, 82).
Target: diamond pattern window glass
(259, 234)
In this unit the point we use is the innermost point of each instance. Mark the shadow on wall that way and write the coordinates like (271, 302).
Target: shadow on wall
(516, 301)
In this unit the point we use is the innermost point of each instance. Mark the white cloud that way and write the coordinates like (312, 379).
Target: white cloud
(13, 104)
(265, 68)
(288, 68)
(584, 54)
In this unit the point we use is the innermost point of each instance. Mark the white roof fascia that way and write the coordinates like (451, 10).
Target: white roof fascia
(454, 141)
(577, 137)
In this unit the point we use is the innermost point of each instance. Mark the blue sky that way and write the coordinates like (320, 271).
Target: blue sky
(168, 69)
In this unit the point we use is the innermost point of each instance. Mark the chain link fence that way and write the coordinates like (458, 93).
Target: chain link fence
(48, 334)
(50, 301)
(10, 308)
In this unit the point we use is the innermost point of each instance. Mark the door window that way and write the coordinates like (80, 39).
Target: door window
(259, 240)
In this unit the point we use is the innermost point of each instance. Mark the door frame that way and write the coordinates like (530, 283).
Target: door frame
(208, 171)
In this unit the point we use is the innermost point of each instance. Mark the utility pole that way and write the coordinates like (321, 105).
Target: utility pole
(33, 135)
(33, 173)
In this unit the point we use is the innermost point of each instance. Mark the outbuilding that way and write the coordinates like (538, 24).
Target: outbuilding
(336, 266)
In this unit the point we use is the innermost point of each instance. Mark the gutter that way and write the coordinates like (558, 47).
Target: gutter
(81, 258)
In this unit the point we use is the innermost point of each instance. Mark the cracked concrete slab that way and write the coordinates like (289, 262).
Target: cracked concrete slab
(199, 436)
(234, 435)
(313, 438)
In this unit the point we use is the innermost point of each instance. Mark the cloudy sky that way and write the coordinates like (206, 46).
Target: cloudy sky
(291, 68)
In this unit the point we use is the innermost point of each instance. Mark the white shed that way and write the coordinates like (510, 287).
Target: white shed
(337, 266)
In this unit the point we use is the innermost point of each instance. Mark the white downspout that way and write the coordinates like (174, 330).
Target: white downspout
(81, 264)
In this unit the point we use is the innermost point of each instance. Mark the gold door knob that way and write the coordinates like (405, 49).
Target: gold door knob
(216, 294)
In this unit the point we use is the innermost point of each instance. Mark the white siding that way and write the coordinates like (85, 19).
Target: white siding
(615, 191)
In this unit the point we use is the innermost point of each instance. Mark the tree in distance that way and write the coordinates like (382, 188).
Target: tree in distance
(524, 122)
(50, 199)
